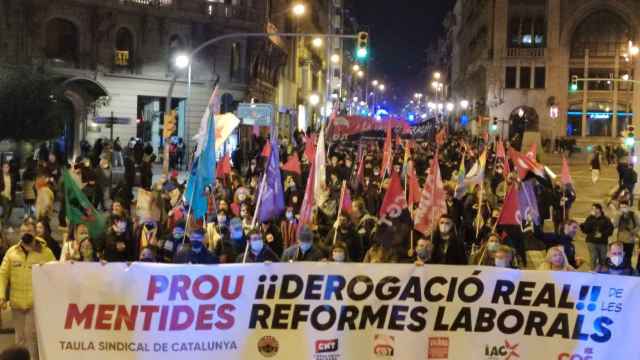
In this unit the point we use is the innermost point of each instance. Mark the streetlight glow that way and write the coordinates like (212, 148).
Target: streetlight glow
(316, 42)
(374, 83)
(182, 61)
(382, 87)
(299, 9)
(437, 75)
(314, 99)
(450, 106)
(521, 112)
(464, 104)
(625, 77)
(360, 74)
(356, 68)
(335, 58)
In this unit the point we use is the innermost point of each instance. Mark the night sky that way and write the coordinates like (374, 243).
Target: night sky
(400, 32)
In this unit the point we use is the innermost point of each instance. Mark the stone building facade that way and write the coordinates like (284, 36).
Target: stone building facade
(514, 60)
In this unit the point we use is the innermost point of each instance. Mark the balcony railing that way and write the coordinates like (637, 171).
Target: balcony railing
(525, 52)
(231, 12)
(148, 3)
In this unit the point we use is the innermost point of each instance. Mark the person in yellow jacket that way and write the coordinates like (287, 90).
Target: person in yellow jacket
(15, 275)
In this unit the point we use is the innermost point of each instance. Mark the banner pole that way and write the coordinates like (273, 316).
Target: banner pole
(255, 214)
(342, 192)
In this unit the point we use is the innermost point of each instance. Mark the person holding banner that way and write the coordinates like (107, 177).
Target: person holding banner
(556, 260)
(196, 253)
(424, 252)
(15, 280)
(448, 247)
(614, 264)
(339, 252)
(305, 249)
(258, 252)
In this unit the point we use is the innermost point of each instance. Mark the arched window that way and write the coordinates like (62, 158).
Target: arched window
(602, 33)
(61, 40)
(124, 47)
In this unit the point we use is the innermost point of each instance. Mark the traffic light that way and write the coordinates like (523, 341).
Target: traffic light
(169, 124)
(362, 46)
(630, 141)
(574, 83)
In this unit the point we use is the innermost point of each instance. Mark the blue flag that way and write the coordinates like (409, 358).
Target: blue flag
(272, 201)
(203, 175)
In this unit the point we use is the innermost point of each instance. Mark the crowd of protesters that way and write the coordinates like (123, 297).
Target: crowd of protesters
(469, 232)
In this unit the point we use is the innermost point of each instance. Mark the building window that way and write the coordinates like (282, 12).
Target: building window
(62, 40)
(539, 78)
(234, 64)
(602, 33)
(527, 32)
(124, 47)
(510, 77)
(525, 77)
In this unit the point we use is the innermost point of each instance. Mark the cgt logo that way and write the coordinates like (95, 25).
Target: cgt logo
(508, 351)
(326, 346)
(588, 355)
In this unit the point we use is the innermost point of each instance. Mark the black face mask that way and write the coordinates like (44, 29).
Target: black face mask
(27, 239)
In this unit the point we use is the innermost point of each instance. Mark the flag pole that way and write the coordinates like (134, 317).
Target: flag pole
(255, 214)
(342, 192)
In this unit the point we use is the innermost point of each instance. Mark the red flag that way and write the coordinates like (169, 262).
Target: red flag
(307, 203)
(266, 150)
(394, 201)
(346, 201)
(533, 151)
(360, 173)
(433, 201)
(565, 176)
(510, 214)
(414, 185)
(500, 153)
(310, 148)
(292, 164)
(387, 153)
(525, 164)
(224, 167)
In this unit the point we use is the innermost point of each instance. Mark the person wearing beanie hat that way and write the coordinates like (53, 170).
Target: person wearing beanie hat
(197, 253)
(305, 249)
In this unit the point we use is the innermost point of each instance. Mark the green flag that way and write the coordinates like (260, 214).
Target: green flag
(79, 209)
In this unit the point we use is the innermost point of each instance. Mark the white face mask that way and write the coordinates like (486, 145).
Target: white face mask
(444, 228)
(501, 263)
(338, 257)
(257, 245)
(616, 260)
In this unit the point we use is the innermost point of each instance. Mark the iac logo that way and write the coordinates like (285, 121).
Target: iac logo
(326, 346)
(506, 351)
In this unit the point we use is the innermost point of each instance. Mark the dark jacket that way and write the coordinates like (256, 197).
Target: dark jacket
(552, 239)
(188, 256)
(293, 253)
(53, 245)
(611, 269)
(111, 252)
(265, 255)
(454, 254)
(598, 229)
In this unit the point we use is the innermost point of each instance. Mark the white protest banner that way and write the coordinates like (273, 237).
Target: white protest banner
(326, 311)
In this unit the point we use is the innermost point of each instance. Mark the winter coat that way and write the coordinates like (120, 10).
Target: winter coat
(293, 253)
(627, 225)
(15, 272)
(597, 229)
(449, 252)
(265, 255)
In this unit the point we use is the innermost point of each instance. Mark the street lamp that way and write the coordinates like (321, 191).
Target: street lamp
(437, 75)
(182, 61)
(521, 112)
(316, 42)
(450, 107)
(335, 58)
(464, 104)
(314, 99)
(381, 87)
(299, 9)
(625, 77)
(360, 74)
(356, 68)
(374, 83)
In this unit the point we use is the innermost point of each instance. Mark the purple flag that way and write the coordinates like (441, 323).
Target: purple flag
(528, 203)
(272, 202)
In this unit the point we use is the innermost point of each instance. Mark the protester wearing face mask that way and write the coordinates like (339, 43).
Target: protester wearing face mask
(598, 228)
(504, 257)
(424, 252)
(258, 251)
(168, 247)
(15, 281)
(304, 250)
(556, 260)
(148, 254)
(448, 247)
(71, 247)
(627, 222)
(339, 253)
(486, 254)
(118, 245)
(196, 253)
(344, 231)
(289, 227)
(222, 219)
(614, 264)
